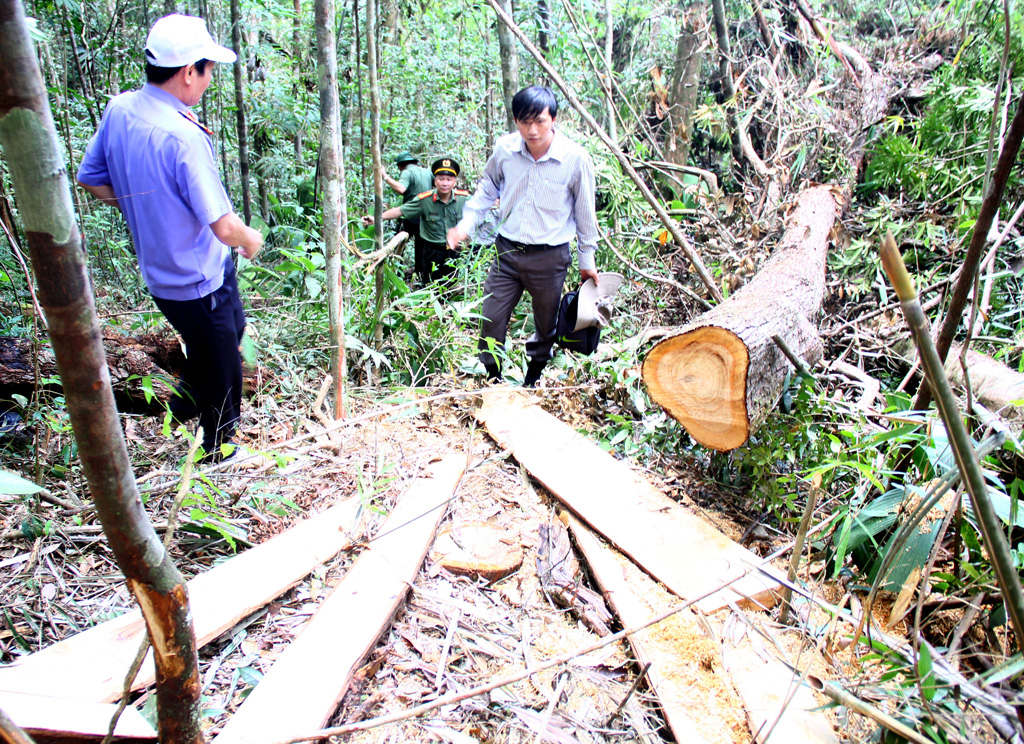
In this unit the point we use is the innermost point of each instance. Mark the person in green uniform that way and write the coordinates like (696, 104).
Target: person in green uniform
(413, 179)
(438, 210)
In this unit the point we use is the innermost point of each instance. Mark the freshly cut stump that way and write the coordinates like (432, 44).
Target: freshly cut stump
(722, 374)
(477, 549)
(706, 370)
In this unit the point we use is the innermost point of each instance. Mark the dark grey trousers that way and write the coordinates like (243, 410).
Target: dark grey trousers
(542, 274)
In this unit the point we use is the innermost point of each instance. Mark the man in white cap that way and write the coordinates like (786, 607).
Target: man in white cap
(153, 160)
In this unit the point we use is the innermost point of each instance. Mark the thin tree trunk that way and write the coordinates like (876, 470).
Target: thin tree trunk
(243, 136)
(725, 70)
(683, 95)
(543, 24)
(38, 174)
(259, 150)
(509, 65)
(969, 267)
(170, 7)
(331, 184)
(609, 83)
(297, 74)
(378, 184)
(362, 109)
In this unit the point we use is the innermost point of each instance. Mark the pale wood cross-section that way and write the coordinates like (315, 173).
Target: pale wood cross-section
(674, 697)
(681, 550)
(304, 686)
(721, 374)
(91, 665)
(55, 718)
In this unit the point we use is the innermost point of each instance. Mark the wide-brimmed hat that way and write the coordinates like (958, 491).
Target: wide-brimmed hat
(177, 40)
(595, 305)
(445, 167)
(583, 341)
(406, 157)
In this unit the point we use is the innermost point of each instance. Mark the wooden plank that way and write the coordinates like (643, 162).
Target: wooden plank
(680, 549)
(671, 684)
(779, 709)
(91, 665)
(73, 719)
(304, 686)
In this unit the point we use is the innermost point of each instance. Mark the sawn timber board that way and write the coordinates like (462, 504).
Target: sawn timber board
(54, 718)
(90, 666)
(681, 550)
(673, 693)
(304, 686)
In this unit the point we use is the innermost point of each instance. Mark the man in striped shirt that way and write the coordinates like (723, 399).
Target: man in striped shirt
(545, 182)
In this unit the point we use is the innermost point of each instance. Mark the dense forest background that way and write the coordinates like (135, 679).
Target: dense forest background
(727, 123)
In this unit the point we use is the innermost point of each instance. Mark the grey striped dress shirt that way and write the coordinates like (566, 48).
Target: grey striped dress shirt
(546, 201)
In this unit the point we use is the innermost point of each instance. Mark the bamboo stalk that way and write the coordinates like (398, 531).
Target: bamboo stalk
(798, 546)
(988, 521)
(850, 701)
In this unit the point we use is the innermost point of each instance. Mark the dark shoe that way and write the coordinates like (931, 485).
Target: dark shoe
(533, 370)
(493, 372)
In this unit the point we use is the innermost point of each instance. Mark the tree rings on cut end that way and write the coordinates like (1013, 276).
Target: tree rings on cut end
(478, 549)
(700, 379)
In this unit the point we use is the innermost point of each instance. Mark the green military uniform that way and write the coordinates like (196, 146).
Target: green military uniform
(416, 179)
(436, 219)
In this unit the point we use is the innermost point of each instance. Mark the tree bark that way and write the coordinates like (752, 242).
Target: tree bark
(297, 74)
(39, 177)
(683, 94)
(609, 67)
(378, 170)
(725, 71)
(128, 361)
(543, 24)
(331, 186)
(509, 65)
(721, 374)
(243, 136)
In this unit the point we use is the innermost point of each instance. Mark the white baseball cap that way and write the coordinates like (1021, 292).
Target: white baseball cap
(177, 40)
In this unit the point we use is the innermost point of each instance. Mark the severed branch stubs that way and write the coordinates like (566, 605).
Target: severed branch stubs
(721, 374)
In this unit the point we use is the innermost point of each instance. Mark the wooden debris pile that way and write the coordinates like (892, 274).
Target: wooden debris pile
(356, 621)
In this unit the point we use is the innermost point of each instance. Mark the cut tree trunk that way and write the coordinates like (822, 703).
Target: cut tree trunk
(129, 361)
(721, 374)
(996, 386)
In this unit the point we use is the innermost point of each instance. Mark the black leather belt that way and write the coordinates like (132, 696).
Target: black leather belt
(530, 247)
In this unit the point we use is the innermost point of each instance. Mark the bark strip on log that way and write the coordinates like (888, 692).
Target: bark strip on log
(128, 361)
(721, 374)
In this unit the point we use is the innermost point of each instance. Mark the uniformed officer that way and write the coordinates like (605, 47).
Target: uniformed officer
(154, 161)
(413, 179)
(438, 210)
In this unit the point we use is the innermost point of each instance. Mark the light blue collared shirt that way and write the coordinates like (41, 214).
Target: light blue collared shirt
(546, 201)
(162, 168)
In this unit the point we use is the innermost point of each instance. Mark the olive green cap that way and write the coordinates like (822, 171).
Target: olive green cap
(406, 157)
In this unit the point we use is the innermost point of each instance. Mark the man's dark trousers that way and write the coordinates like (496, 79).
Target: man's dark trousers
(541, 271)
(211, 328)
